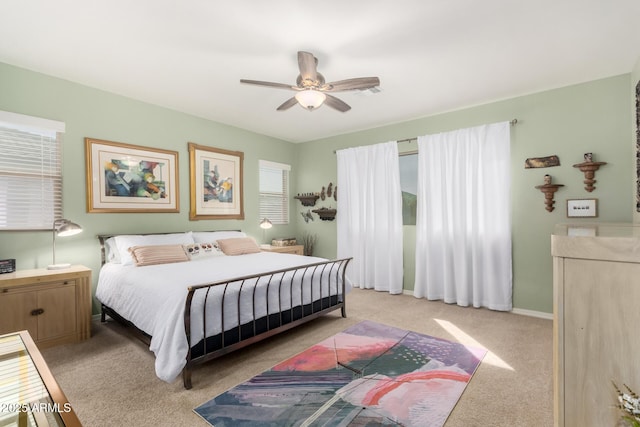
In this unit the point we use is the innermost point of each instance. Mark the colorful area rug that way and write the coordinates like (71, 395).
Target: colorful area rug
(370, 374)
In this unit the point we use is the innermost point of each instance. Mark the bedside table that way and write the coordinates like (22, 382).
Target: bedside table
(53, 305)
(293, 249)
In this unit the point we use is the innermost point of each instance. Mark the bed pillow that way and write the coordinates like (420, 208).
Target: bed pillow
(212, 236)
(111, 251)
(203, 250)
(158, 254)
(238, 246)
(125, 242)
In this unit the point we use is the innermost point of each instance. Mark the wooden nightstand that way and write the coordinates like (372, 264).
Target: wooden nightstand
(53, 305)
(293, 249)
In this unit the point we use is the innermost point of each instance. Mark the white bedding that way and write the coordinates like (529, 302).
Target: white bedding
(153, 298)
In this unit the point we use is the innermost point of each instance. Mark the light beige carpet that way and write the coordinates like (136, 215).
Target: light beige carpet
(110, 379)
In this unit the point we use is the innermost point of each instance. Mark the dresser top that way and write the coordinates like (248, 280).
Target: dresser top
(599, 241)
(41, 274)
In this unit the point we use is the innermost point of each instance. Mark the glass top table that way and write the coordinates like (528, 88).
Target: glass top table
(29, 394)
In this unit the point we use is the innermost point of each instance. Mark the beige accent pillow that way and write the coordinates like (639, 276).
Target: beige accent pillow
(158, 254)
(238, 246)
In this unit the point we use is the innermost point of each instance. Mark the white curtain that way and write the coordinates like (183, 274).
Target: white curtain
(463, 224)
(370, 216)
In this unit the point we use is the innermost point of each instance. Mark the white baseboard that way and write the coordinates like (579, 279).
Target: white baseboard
(520, 311)
(533, 313)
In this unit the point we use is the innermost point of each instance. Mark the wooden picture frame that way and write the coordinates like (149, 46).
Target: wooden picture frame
(582, 208)
(130, 178)
(638, 147)
(216, 181)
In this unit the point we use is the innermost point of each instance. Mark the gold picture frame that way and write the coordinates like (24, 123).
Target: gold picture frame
(216, 181)
(130, 178)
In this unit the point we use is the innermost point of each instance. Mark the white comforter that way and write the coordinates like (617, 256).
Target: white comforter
(153, 298)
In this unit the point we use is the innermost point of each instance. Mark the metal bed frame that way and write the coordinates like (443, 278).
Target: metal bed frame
(280, 320)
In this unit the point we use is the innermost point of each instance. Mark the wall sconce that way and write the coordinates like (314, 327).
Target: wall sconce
(63, 228)
(548, 189)
(589, 168)
(265, 224)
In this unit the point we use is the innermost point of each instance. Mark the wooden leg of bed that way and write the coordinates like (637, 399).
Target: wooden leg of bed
(344, 311)
(186, 378)
(103, 316)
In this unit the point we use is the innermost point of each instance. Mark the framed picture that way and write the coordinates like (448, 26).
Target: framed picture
(129, 178)
(215, 183)
(638, 146)
(582, 208)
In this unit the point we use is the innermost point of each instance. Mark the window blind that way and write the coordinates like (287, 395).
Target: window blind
(30, 172)
(274, 191)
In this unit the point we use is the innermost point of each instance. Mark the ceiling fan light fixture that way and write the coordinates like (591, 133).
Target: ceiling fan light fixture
(310, 98)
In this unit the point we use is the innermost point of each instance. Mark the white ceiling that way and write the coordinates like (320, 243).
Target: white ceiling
(431, 56)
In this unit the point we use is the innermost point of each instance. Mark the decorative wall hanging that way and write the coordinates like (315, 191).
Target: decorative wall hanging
(582, 208)
(130, 178)
(542, 162)
(548, 189)
(307, 199)
(589, 168)
(215, 183)
(307, 216)
(325, 214)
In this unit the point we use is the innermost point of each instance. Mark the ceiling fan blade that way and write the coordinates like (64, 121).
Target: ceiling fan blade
(308, 66)
(351, 84)
(288, 104)
(336, 103)
(270, 84)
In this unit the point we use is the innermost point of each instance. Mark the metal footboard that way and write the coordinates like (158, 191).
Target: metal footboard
(323, 282)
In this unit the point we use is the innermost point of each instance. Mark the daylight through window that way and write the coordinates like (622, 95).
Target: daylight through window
(274, 192)
(30, 172)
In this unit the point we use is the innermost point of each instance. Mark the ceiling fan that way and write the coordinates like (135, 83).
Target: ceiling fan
(312, 88)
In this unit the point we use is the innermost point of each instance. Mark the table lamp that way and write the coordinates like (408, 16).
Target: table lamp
(265, 224)
(62, 227)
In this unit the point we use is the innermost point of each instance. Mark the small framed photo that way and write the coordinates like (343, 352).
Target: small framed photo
(582, 208)
(130, 178)
(215, 183)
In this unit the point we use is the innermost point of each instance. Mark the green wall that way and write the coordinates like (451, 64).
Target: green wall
(570, 121)
(92, 113)
(591, 117)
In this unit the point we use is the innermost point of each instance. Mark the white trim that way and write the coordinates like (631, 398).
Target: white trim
(274, 165)
(533, 313)
(518, 311)
(24, 122)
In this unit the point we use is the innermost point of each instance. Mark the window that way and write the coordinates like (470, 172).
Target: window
(274, 192)
(30, 172)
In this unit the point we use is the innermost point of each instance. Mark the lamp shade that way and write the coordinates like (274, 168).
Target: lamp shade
(310, 99)
(67, 228)
(62, 227)
(265, 223)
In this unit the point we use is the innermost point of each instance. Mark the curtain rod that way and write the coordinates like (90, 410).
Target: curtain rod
(414, 139)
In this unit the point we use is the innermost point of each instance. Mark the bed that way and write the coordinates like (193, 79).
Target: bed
(195, 296)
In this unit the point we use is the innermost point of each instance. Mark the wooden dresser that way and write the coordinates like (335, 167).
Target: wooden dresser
(596, 278)
(53, 305)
